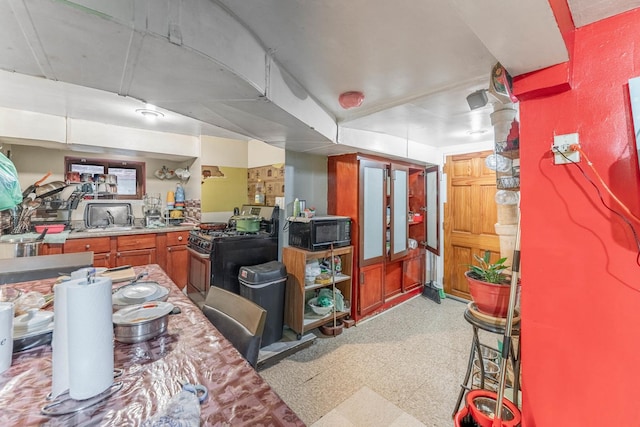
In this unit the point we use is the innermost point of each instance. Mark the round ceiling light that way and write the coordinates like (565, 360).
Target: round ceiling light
(351, 99)
(149, 114)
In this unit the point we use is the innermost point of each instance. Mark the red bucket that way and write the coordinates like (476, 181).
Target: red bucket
(481, 405)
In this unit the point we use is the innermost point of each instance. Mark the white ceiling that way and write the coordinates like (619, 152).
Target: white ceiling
(273, 69)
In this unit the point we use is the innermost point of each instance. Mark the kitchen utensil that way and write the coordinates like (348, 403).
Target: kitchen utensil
(216, 226)
(40, 238)
(131, 283)
(141, 322)
(50, 188)
(247, 223)
(32, 187)
(119, 268)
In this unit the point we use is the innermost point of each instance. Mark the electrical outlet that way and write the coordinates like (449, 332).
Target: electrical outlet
(562, 144)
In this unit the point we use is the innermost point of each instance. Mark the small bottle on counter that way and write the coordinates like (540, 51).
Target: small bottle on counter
(296, 207)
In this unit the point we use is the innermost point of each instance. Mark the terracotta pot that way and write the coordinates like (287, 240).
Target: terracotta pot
(490, 298)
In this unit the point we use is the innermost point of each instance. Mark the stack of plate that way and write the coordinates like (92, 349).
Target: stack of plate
(32, 329)
(139, 293)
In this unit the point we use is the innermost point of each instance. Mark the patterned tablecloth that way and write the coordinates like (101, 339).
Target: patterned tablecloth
(191, 348)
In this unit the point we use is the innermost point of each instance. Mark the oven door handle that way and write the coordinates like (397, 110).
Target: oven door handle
(196, 253)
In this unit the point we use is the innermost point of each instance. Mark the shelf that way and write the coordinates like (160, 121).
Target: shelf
(338, 278)
(298, 316)
(312, 320)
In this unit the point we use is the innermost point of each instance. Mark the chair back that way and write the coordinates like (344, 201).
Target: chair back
(240, 320)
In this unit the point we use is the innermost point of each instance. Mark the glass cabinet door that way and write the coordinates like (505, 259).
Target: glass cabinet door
(372, 212)
(399, 211)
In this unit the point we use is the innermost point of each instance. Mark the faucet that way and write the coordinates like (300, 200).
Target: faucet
(110, 219)
(132, 219)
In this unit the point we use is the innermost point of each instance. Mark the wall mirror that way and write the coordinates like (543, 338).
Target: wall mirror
(433, 209)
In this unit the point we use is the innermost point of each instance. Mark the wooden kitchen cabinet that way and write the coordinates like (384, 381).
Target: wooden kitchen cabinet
(370, 288)
(413, 270)
(165, 249)
(135, 249)
(297, 315)
(381, 207)
(100, 246)
(177, 259)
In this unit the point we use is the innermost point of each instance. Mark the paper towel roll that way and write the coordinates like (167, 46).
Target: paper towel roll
(82, 338)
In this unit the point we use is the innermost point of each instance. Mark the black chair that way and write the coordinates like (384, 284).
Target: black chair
(240, 321)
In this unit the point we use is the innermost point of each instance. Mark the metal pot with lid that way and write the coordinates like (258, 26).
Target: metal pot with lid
(247, 223)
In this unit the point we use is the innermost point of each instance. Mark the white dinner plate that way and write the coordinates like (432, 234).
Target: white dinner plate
(139, 292)
(119, 301)
(142, 313)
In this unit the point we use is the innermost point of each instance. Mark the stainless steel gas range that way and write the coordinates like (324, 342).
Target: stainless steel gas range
(217, 251)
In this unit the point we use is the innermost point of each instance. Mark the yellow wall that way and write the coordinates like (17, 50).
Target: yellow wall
(223, 193)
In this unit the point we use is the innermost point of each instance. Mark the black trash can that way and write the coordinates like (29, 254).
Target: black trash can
(265, 285)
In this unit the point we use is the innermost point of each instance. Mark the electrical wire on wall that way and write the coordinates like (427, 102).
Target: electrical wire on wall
(626, 210)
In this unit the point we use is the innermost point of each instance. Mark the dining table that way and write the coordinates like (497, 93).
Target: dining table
(191, 349)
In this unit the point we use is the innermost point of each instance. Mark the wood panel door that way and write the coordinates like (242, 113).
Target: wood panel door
(470, 214)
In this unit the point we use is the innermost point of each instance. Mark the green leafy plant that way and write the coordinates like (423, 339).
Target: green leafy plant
(488, 271)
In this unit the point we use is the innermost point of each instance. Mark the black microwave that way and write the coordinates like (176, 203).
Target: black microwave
(319, 232)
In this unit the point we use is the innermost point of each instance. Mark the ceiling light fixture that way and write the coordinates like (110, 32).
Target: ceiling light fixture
(351, 99)
(149, 114)
(477, 99)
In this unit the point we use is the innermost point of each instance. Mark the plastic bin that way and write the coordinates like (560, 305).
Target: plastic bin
(265, 285)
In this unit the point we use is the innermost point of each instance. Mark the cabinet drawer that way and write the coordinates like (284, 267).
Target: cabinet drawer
(138, 241)
(177, 238)
(96, 244)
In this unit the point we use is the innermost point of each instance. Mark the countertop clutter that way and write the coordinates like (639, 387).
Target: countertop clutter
(190, 349)
(81, 233)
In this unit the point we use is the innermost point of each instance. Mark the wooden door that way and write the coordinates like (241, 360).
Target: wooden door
(470, 214)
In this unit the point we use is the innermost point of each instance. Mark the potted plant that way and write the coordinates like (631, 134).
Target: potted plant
(489, 285)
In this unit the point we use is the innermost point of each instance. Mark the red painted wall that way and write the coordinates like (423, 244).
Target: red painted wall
(581, 283)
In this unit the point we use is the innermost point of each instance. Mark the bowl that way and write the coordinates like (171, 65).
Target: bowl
(320, 310)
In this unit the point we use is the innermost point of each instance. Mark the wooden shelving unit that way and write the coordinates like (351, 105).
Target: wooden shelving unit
(298, 316)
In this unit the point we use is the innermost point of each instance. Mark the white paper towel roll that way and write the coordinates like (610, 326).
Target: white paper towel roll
(82, 338)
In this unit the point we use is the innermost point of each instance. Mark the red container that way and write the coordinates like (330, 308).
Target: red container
(490, 298)
(51, 228)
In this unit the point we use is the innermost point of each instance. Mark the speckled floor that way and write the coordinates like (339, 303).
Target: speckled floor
(401, 368)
